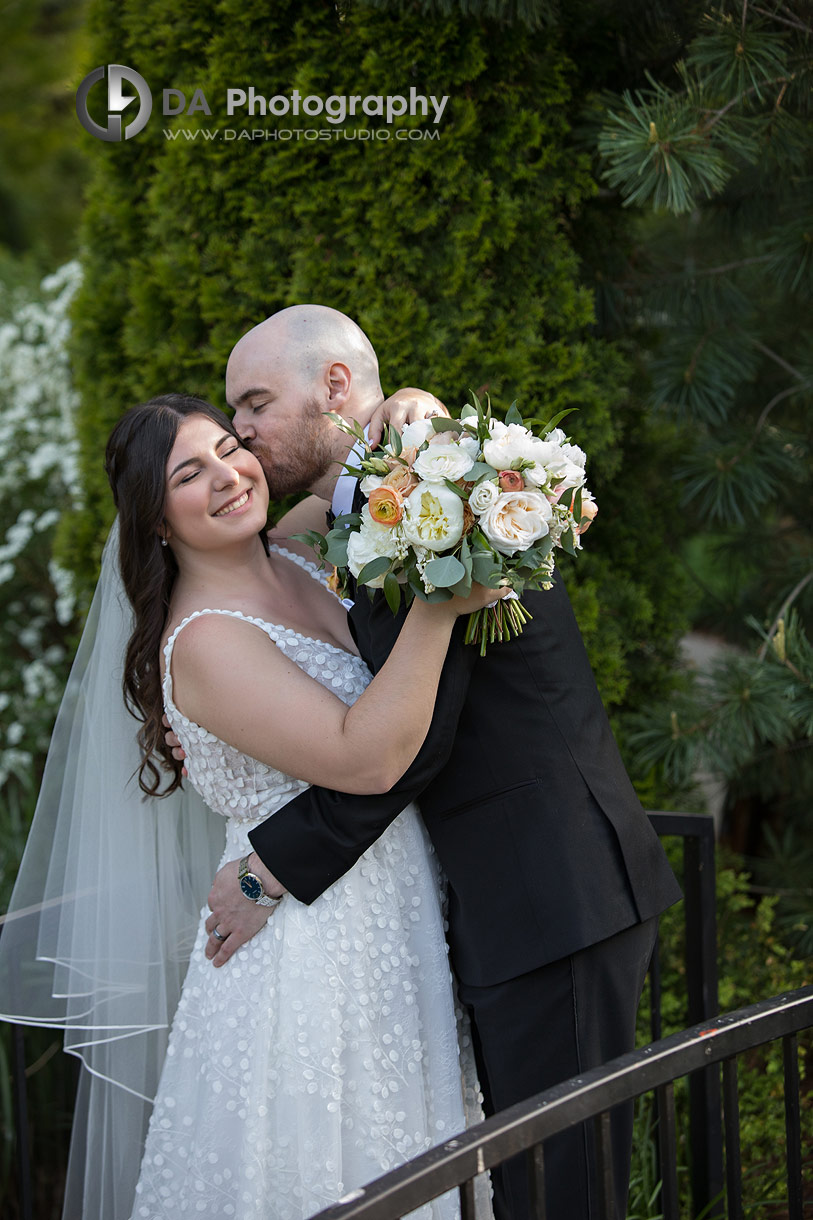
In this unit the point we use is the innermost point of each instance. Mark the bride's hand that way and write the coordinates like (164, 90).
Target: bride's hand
(478, 599)
(403, 407)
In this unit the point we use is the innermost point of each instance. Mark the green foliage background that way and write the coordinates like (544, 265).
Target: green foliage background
(456, 255)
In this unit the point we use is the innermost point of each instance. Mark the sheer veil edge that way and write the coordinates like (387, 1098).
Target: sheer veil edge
(105, 911)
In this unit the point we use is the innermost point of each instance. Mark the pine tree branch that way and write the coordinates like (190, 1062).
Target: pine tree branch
(783, 394)
(760, 424)
(735, 266)
(794, 24)
(783, 609)
(778, 359)
(679, 276)
(718, 114)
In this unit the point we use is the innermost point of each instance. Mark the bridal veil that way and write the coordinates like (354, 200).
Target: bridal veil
(105, 910)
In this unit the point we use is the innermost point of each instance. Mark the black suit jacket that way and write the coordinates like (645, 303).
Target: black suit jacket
(520, 783)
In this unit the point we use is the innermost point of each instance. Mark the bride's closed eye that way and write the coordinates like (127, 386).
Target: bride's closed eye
(189, 477)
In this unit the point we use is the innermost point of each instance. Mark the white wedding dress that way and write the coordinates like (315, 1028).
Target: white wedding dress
(326, 1051)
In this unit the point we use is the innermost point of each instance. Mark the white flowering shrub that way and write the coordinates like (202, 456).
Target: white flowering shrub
(38, 482)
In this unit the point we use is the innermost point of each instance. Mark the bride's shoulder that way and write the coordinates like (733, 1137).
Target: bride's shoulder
(192, 629)
(210, 641)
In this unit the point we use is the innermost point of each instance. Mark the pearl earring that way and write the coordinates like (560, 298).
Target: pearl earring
(163, 542)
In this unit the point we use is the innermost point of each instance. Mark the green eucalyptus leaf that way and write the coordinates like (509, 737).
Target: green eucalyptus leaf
(336, 552)
(392, 592)
(465, 556)
(314, 539)
(567, 543)
(485, 566)
(481, 470)
(376, 567)
(444, 571)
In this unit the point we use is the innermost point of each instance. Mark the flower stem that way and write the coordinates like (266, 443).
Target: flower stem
(502, 622)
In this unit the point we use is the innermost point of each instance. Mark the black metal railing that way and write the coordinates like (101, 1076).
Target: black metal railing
(702, 1004)
(705, 1127)
(525, 1127)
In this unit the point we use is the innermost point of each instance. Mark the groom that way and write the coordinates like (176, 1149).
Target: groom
(555, 876)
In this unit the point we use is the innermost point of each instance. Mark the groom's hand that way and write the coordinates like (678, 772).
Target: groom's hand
(403, 407)
(236, 917)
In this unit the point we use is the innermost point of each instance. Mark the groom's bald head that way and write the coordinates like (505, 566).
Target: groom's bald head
(303, 340)
(284, 374)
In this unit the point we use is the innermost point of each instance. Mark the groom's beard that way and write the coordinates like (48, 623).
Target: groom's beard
(304, 457)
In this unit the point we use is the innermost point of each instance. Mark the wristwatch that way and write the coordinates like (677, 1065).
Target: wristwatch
(252, 887)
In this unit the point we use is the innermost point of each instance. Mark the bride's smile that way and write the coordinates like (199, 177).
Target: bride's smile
(211, 479)
(234, 505)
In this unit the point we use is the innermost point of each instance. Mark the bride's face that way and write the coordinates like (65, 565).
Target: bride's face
(216, 493)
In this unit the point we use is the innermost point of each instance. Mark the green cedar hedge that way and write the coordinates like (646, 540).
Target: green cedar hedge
(456, 255)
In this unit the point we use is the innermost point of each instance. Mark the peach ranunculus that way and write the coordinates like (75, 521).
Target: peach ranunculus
(511, 480)
(402, 480)
(386, 505)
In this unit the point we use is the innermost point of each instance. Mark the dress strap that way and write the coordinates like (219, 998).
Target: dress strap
(307, 564)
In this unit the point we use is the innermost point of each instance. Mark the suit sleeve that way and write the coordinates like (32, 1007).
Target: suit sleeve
(314, 839)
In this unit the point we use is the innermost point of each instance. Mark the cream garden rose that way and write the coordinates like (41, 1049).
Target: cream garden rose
(483, 495)
(443, 461)
(516, 520)
(416, 433)
(433, 517)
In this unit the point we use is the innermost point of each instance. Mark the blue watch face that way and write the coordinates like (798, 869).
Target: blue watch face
(251, 887)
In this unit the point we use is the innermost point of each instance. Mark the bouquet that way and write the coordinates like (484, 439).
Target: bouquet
(451, 501)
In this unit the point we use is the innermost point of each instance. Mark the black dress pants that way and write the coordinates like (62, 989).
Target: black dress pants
(541, 1028)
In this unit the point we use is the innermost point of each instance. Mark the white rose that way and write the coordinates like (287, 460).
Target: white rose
(510, 442)
(555, 465)
(573, 453)
(369, 542)
(516, 520)
(416, 433)
(483, 495)
(433, 517)
(443, 461)
(370, 482)
(470, 444)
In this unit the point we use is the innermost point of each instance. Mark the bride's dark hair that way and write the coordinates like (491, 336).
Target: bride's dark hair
(136, 463)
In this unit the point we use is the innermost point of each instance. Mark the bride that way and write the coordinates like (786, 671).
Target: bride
(325, 1051)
